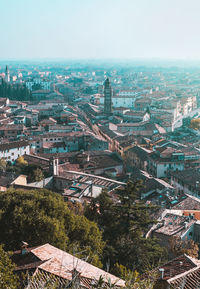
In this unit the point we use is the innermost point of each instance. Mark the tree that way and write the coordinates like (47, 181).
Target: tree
(39, 217)
(36, 86)
(124, 226)
(38, 175)
(2, 165)
(7, 279)
(15, 92)
(21, 162)
(179, 247)
(100, 210)
(32, 171)
(135, 281)
(195, 123)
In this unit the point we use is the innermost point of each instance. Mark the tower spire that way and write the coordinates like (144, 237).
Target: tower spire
(7, 74)
(107, 97)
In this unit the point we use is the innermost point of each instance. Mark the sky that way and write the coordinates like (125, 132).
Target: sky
(100, 29)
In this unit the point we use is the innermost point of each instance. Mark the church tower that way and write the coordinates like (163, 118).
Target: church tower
(107, 97)
(7, 74)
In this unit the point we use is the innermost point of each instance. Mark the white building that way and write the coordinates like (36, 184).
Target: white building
(11, 151)
(120, 101)
(46, 85)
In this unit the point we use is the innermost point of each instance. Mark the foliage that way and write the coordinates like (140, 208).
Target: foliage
(32, 171)
(124, 225)
(36, 86)
(7, 279)
(179, 247)
(41, 216)
(121, 271)
(15, 92)
(195, 123)
(135, 281)
(21, 162)
(38, 175)
(77, 208)
(2, 165)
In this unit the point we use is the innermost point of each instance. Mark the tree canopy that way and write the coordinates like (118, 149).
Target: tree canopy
(33, 172)
(124, 225)
(179, 247)
(195, 123)
(15, 92)
(7, 279)
(2, 165)
(40, 216)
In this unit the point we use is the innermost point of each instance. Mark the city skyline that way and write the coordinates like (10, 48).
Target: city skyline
(97, 29)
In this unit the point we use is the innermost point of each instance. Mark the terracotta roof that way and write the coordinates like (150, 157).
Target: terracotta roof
(175, 225)
(189, 279)
(188, 203)
(177, 266)
(14, 144)
(12, 127)
(181, 272)
(62, 264)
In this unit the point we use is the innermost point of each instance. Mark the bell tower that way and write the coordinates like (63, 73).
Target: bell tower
(107, 97)
(7, 74)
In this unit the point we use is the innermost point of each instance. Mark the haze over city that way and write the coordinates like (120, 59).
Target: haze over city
(102, 29)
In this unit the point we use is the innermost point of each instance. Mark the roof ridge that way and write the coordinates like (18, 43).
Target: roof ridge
(192, 260)
(184, 273)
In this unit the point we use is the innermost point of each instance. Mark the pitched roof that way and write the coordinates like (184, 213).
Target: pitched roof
(62, 264)
(188, 203)
(12, 145)
(181, 272)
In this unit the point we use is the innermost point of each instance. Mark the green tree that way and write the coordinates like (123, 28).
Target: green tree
(36, 86)
(41, 216)
(38, 175)
(33, 172)
(15, 92)
(124, 226)
(7, 279)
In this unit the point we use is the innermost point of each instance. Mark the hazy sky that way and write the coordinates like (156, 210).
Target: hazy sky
(100, 29)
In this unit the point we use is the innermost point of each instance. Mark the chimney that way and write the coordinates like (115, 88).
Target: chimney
(162, 272)
(55, 167)
(24, 248)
